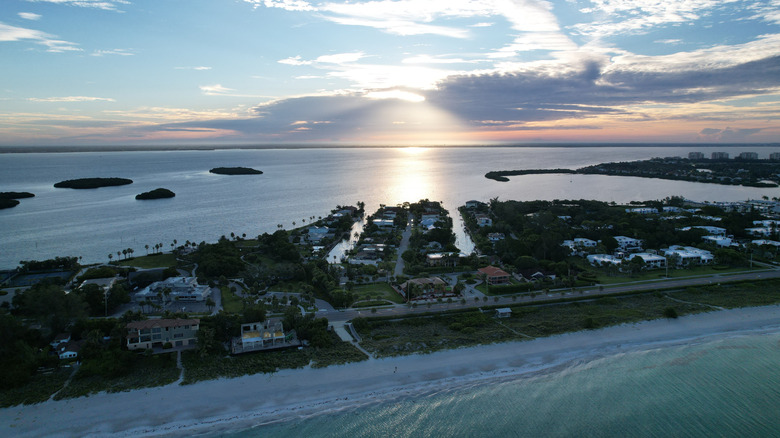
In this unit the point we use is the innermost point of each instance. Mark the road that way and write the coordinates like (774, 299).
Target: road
(399, 264)
(339, 316)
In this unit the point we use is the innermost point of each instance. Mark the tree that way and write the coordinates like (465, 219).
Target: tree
(147, 248)
(210, 304)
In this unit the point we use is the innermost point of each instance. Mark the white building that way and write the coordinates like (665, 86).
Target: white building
(715, 231)
(765, 242)
(652, 261)
(718, 240)
(177, 288)
(688, 255)
(603, 259)
(642, 210)
(484, 220)
(316, 233)
(628, 243)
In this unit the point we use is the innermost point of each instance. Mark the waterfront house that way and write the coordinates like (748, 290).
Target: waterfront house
(628, 244)
(484, 220)
(315, 233)
(495, 237)
(154, 333)
(494, 275)
(62, 338)
(175, 289)
(688, 255)
(69, 350)
(652, 261)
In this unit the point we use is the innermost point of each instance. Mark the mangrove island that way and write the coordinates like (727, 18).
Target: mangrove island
(236, 171)
(92, 183)
(159, 193)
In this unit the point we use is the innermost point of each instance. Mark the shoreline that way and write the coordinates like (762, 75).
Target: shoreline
(225, 405)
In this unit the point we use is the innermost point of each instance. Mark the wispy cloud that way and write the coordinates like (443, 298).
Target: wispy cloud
(29, 16)
(106, 5)
(638, 16)
(198, 68)
(118, 52)
(14, 33)
(71, 99)
(216, 90)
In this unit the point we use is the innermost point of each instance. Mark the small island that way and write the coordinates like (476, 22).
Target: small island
(9, 199)
(235, 171)
(92, 183)
(159, 193)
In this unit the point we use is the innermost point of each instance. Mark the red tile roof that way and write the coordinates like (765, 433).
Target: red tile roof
(492, 271)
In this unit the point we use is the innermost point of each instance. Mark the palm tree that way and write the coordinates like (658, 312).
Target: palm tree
(124, 252)
(110, 256)
(118, 254)
(147, 248)
(130, 251)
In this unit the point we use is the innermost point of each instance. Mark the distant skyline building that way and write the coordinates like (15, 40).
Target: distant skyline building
(695, 155)
(720, 155)
(748, 156)
(774, 156)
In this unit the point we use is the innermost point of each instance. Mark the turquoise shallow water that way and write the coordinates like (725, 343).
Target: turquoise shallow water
(720, 387)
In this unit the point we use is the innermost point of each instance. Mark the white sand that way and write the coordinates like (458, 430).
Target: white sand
(229, 404)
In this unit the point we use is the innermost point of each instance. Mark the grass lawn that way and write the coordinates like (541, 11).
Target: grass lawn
(230, 302)
(151, 261)
(376, 291)
(657, 274)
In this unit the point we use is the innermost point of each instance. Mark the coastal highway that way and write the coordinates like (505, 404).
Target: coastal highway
(340, 316)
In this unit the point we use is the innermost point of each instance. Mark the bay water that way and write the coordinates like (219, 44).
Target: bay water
(296, 185)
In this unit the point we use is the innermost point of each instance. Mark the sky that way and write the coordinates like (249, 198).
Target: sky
(401, 72)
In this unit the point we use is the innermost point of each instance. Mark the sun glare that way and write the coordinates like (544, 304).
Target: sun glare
(395, 94)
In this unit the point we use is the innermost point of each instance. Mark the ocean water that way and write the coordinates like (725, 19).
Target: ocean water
(296, 184)
(725, 387)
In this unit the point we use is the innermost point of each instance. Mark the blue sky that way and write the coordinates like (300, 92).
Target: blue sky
(125, 72)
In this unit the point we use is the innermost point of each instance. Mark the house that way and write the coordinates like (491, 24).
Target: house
(176, 289)
(484, 220)
(718, 240)
(715, 231)
(263, 335)
(384, 223)
(579, 243)
(154, 333)
(473, 204)
(69, 350)
(494, 275)
(765, 242)
(495, 237)
(504, 312)
(534, 275)
(423, 287)
(628, 244)
(688, 255)
(652, 261)
(62, 338)
(642, 210)
(759, 231)
(315, 233)
(443, 258)
(671, 209)
(603, 260)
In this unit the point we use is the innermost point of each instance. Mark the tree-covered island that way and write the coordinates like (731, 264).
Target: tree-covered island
(10, 199)
(236, 171)
(744, 172)
(159, 193)
(92, 183)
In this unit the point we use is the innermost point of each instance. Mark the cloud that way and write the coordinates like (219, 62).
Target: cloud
(119, 52)
(71, 99)
(106, 5)
(287, 5)
(13, 33)
(29, 16)
(639, 16)
(728, 134)
(215, 90)
(199, 68)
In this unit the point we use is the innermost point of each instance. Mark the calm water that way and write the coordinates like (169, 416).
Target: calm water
(297, 184)
(726, 387)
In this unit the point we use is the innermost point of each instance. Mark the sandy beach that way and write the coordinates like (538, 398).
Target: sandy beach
(230, 404)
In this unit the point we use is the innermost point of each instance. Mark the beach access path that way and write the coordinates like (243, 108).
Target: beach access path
(222, 405)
